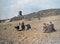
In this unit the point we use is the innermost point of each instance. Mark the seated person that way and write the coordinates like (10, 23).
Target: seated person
(44, 27)
(28, 26)
(17, 27)
(52, 26)
(23, 26)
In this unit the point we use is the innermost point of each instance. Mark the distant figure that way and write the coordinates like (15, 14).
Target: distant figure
(52, 26)
(28, 26)
(44, 27)
(17, 27)
(22, 25)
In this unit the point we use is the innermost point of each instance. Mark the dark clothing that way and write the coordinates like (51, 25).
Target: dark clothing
(28, 26)
(17, 27)
(22, 26)
(52, 27)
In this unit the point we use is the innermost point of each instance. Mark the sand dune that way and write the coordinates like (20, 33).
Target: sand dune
(9, 35)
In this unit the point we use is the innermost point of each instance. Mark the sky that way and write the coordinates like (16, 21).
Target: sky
(10, 8)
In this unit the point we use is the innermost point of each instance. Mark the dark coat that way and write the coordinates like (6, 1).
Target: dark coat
(22, 26)
(28, 26)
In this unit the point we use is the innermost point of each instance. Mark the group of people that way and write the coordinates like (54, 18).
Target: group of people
(47, 28)
(28, 26)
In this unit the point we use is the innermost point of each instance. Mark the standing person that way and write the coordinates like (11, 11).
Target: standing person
(52, 26)
(22, 25)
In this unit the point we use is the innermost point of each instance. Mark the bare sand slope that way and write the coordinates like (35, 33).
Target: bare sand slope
(9, 35)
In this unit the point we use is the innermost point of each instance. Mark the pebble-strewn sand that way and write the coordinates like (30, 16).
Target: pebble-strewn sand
(9, 35)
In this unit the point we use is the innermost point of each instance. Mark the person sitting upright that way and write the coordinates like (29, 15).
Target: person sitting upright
(22, 25)
(52, 26)
(44, 27)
